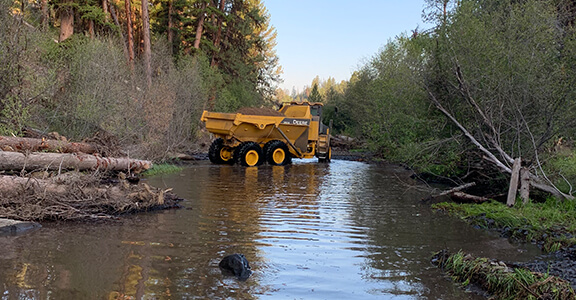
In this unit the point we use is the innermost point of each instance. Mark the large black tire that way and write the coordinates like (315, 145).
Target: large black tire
(249, 154)
(277, 153)
(220, 154)
(328, 157)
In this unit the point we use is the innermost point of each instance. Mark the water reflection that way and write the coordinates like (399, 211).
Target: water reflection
(344, 230)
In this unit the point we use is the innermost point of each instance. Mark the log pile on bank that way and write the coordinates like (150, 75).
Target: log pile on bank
(65, 183)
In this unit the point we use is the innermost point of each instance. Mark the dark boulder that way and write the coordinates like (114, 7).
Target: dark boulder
(235, 265)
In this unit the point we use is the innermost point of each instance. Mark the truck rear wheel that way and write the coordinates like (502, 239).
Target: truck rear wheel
(249, 154)
(327, 158)
(277, 153)
(220, 154)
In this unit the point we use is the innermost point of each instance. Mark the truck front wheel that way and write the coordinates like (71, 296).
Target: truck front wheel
(249, 154)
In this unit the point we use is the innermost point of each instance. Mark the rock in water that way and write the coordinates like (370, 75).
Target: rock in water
(235, 265)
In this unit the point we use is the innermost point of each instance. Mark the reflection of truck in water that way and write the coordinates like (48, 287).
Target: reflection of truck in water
(250, 140)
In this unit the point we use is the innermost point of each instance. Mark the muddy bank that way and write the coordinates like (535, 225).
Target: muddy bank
(561, 263)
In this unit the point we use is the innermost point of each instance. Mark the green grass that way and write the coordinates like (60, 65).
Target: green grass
(552, 223)
(500, 280)
(158, 169)
(561, 168)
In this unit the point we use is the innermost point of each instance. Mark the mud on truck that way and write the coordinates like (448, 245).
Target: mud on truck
(251, 140)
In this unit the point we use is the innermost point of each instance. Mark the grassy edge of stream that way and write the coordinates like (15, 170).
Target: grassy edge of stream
(550, 224)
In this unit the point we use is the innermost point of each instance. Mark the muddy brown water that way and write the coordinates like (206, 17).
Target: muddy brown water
(345, 230)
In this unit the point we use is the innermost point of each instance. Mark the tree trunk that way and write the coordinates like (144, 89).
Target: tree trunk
(91, 29)
(146, 36)
(218, 34)
(524, 185)
(170, 26)
(60, 161)
(513, 189)
(19, 144)
(129, 33)
(117, 23)
(45, 16)
(66, 22)
(105, 9)
(200, 27)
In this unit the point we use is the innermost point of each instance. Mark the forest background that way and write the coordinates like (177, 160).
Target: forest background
(489, 82)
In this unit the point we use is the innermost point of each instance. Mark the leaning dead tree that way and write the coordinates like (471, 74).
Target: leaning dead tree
(489, 142)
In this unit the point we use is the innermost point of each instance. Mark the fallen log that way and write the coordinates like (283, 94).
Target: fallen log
(457, 189)
(468, 198)
(22, 144)
(66, 161)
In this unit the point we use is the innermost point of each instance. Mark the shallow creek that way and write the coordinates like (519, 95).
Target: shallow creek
(345, 230)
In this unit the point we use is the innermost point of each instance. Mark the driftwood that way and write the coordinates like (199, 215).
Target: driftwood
(524, 185)
(457, 189)
(76, 196)
(63, 161)
(21, 144)
(514, 179)
(468, 198)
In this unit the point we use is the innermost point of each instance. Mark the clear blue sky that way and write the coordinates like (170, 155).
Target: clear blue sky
(331, 38)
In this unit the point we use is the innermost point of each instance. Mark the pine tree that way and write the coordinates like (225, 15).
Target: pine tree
(315, 94)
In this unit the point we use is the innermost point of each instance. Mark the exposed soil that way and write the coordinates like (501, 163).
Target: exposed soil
(255, 111)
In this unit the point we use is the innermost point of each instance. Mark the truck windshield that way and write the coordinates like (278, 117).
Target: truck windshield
(315, 111)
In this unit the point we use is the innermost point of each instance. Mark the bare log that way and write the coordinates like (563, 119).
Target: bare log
(524, 185)
(457, 189)
(59, 161)
(513, 189)
(468, 198)
(20, 144)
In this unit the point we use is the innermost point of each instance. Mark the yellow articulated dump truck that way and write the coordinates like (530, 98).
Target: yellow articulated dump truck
(295, 130)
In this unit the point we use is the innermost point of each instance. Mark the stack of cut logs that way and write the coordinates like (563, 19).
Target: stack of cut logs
(31, 154)
(45, 189)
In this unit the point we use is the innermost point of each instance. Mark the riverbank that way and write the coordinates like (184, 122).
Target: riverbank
(550, 225)
(501, 280)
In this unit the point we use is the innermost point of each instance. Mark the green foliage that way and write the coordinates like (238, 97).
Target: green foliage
(509, 58)
(315, 94)
(561, 169)
(552, 222)
(387, 105)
